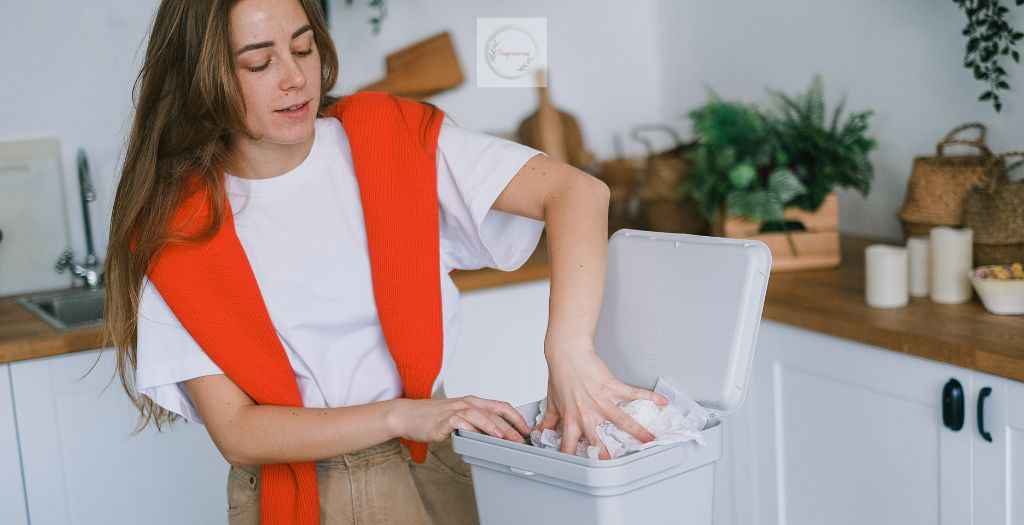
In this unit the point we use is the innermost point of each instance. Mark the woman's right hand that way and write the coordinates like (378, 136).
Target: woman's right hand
(433, 420)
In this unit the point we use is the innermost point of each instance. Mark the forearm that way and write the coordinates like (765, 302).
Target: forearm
(279, 434)
(577, 231)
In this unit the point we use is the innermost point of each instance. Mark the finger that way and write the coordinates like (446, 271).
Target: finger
(550, 420)
(480, 419)
(512, 416)
(639, 393)
(629, 425)
(570, 436)
(506, 430)
(510, 433)
(507, 411)
(457, 422)
(591, 433)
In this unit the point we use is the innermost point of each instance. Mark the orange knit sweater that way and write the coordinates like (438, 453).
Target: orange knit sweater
(211, 288)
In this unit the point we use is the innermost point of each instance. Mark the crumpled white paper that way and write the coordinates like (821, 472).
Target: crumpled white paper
(682, 419)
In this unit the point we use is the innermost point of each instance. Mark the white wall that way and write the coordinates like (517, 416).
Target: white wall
(67, 72)
(603, 58)
(68, 69)
(901, 58)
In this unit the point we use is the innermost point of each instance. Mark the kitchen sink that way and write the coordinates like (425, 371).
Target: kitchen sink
(68, 309)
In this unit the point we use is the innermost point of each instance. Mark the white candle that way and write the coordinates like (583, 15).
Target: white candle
(951, 258)
(917, 252)
(885, 276)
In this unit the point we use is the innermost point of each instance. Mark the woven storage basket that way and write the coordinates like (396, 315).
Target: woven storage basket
(664, 207)
(621, 176)
(995, 212)
(938, 184)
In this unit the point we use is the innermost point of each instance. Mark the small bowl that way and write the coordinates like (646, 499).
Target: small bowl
(1000, 296)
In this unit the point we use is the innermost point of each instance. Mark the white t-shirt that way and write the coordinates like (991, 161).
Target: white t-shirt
(304, 237)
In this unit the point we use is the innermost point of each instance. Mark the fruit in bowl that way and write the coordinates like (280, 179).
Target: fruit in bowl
(1000, 286)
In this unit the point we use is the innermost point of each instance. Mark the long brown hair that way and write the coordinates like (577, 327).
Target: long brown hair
(187, 106)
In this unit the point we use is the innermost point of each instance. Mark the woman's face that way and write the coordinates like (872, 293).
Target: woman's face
(278, 67)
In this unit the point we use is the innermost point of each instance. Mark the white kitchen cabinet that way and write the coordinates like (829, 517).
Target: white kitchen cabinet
(734, 491)
(999, 463)
(500, 352)
(838, 432)
(82, 465)
(12, 491)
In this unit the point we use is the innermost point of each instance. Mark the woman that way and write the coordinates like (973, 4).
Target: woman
(232, 100)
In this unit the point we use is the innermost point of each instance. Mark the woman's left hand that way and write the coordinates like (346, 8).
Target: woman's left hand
(583, 393)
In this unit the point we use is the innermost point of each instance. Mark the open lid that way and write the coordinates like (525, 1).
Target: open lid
(686, 307)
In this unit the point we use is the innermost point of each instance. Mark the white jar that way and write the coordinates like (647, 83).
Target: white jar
(951, 257)
(886, 276)
(917, 255)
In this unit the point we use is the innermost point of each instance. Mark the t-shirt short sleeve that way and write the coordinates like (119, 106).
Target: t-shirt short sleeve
(473, 168)
(167, 355)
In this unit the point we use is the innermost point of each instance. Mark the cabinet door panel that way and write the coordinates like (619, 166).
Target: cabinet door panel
(736, 471)
(999, 464)
(500, 352)
(12, 492)
(849, 433)
(83, 466)
(1015, 451)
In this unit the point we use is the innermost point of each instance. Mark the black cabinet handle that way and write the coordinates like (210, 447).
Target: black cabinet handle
(985, 392)
(953, 405)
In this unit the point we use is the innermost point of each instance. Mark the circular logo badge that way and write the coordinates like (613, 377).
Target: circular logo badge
(510, 51)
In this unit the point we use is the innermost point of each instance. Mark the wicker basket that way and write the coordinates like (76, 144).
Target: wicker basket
(995, 212)
(621, 176)
(938, 185)
(663, 207)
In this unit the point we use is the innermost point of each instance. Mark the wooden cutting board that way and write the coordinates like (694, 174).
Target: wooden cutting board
(33, 216)
(422, 69)
(554, 131)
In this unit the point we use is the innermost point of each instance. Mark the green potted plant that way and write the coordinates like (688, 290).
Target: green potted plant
(771, 168)
(823, 154)
(738, 164)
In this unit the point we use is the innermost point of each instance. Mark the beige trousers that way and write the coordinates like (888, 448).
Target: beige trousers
(380, 485)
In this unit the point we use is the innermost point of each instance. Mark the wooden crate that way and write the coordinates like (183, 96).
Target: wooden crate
(817, 247)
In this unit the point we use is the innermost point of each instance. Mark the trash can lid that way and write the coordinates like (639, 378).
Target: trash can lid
(686, 307)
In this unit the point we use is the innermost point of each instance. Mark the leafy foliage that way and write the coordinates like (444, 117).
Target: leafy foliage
(824, 154)
(758, 162)
(739, 163)
(382, 12)
(989, 38)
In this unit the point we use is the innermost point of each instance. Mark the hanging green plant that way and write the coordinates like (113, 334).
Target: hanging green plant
(990, 37)
(382, 12)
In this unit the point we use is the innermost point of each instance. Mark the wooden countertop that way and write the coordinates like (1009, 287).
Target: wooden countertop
(23, 335)
(826, 301)
(832, 302)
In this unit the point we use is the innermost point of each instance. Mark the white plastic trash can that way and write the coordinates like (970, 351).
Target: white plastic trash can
(684, 307)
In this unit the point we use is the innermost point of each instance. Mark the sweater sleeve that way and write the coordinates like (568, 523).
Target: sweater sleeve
(473, 168)
(167, 356)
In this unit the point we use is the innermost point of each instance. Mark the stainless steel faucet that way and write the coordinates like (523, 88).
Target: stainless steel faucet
(89, 271)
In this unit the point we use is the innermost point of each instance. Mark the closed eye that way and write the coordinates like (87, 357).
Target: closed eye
(257, 69)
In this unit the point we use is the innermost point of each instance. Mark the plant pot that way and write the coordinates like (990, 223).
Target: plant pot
(816, 246)
(670, 215)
